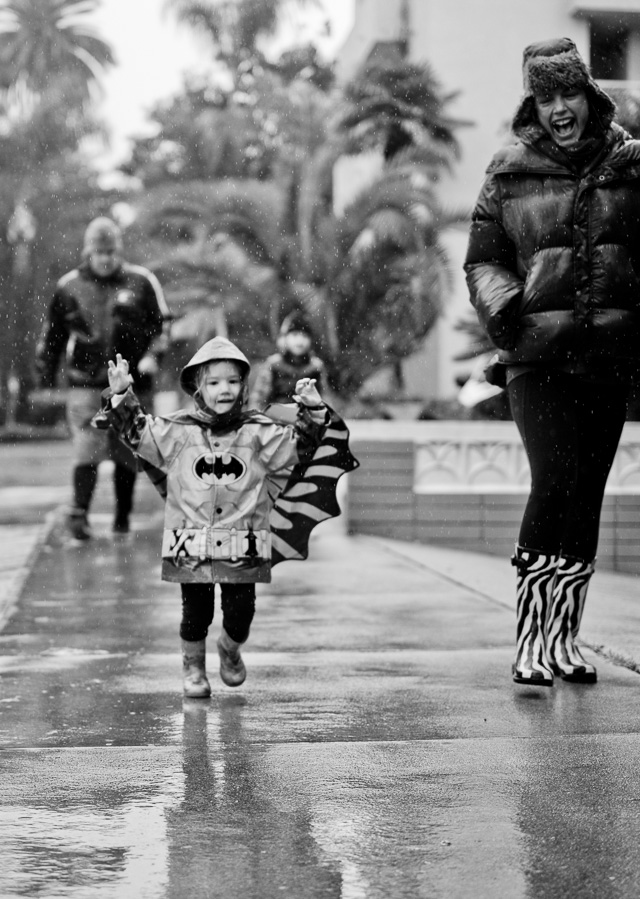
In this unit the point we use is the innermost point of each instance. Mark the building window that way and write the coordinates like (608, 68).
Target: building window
(609, 49)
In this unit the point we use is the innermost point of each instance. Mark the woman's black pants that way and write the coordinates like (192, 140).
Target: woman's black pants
(238, 602)
(570, 428)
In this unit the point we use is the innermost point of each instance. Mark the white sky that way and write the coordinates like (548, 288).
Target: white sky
(153, 53)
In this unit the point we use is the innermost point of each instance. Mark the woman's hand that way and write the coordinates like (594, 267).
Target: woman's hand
(307, 393)
(119, 377)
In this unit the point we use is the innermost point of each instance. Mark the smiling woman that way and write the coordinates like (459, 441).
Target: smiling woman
(564, 114)
(552, 268)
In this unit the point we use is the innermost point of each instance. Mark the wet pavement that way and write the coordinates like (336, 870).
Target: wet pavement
(377, 749)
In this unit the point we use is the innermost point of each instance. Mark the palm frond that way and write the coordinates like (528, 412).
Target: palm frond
(198, 16)
(43, 39)
(397, 104)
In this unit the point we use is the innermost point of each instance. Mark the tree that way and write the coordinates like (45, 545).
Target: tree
(41, 40)
(50, 61)
(304, 63)
(234, 26)
(628, 109)
(388, 273)
(59, 208)
(226, 252)
(202, 135)
(394, 104)
(241, 253)
(216, 247)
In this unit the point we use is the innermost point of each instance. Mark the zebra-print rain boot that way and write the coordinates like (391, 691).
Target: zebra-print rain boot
(535, 582)
(563, 623)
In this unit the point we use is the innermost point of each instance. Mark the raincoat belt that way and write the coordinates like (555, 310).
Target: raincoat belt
(216, 543)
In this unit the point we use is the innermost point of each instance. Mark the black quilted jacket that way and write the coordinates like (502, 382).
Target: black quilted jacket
(553, 262)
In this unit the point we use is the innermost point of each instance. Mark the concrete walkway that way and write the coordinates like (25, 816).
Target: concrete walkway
(33, 478)
(377, 749)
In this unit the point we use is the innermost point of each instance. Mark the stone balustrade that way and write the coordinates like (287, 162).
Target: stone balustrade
(464, 484)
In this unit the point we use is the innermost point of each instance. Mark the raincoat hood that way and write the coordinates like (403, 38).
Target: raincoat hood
(218, 349)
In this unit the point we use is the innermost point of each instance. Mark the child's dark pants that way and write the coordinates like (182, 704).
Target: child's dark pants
(238, 602)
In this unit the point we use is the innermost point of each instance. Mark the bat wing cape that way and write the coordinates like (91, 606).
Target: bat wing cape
(309, 494)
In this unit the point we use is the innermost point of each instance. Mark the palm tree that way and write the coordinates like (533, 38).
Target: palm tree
(44, 40)
(234, 26)
(394, 104)
(216, 247)
(628, 109)
(372, 281)
(223, 250)
(389, 274)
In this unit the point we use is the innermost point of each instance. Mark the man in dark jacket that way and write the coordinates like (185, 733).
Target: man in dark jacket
(103, 307)
(553, 268)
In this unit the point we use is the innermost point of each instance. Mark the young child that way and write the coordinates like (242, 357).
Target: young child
(217, 460)
(278, 375)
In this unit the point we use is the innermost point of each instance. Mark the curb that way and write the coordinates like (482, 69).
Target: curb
(490, 578)
(12, 580)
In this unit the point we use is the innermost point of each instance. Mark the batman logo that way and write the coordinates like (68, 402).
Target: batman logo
(219, 468)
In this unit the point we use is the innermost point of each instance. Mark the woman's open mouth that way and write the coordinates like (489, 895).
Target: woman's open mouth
(564, 127)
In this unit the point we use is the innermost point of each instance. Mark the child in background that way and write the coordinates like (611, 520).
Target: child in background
(217, 459)
(278, 375)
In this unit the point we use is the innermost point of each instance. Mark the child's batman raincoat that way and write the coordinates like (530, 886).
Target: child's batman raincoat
(227, 518)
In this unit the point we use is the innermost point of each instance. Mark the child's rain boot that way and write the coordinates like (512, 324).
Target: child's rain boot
(232, 670)
(195, 683)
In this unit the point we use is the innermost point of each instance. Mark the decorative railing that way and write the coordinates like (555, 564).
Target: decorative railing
(478, 456)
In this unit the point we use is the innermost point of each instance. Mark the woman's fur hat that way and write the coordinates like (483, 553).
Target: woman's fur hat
(553, 64)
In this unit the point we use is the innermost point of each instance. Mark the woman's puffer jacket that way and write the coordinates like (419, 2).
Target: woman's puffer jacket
(553, 262)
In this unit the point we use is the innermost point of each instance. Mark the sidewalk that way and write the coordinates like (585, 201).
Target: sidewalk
(611, 622)
(378, 748)
(33, 485)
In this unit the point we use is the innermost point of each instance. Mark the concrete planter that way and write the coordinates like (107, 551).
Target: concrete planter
(464, 485)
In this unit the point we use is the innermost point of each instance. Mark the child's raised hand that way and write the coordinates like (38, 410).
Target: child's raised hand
(307, 392)
(119, 377)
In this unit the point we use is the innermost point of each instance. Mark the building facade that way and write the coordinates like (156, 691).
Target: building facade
(475, 49)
